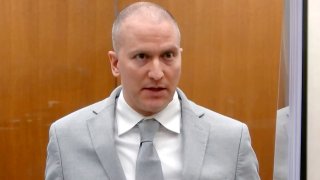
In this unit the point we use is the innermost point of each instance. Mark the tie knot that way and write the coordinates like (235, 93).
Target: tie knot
(148, 129)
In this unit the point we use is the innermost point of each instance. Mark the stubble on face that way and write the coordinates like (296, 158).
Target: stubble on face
(152, 37)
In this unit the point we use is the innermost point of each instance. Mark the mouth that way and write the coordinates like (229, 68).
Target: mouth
(154, 89)
(155, 92)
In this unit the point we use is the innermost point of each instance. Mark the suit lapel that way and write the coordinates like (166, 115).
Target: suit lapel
(195, 133)
(101, 129)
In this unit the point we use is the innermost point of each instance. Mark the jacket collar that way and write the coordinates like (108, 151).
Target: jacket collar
(101, 130)
(194, 131)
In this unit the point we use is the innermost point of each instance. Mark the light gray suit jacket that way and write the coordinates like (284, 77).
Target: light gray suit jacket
(215, 147)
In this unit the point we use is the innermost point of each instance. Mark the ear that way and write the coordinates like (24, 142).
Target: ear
(114, 63)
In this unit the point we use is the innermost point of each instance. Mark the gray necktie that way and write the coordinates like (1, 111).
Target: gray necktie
(148, 165)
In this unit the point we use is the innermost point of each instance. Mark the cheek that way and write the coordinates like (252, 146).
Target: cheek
(124, 68)
(175, 72)
(130, 74)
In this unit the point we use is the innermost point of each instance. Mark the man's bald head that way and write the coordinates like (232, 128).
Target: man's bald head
(145, 11)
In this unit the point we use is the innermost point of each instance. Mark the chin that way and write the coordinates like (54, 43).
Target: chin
(153, 109)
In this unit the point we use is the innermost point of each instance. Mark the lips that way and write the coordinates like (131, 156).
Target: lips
(154, 88)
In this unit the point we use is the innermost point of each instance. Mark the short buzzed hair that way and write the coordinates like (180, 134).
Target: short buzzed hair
(136, 8)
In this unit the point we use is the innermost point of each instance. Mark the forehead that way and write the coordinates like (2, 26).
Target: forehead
(147, 18)
(137, 32)
(144, 26)
(145, 10)
(144, 22)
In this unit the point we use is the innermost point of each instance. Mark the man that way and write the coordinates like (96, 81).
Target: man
(102, 141)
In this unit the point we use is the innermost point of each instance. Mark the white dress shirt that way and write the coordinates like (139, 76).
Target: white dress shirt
(167, 140)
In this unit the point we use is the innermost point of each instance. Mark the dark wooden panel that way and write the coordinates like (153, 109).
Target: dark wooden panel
(53, 61)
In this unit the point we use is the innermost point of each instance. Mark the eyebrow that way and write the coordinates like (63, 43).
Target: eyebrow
(174, 48)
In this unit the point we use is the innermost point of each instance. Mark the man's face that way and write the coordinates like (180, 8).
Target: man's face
(148, 62)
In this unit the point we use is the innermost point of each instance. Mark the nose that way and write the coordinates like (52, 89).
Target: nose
(155, 71)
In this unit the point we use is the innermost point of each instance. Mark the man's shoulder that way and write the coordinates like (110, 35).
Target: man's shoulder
(214, 118)
(222, 127)
(209, 116)
(81, 115)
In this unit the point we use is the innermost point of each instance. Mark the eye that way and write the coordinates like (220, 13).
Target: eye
(140, 56)
(168, 55)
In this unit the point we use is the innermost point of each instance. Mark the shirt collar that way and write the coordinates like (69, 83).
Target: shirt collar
(127, 117)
